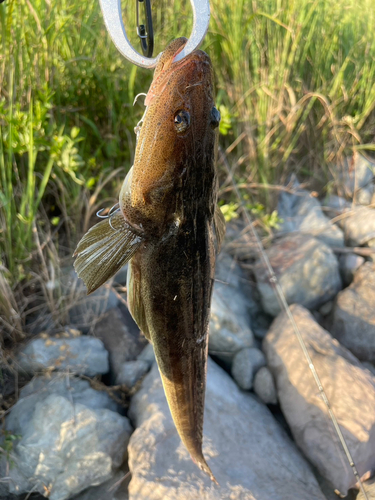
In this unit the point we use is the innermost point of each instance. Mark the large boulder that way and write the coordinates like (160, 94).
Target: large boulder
(354, 314)
(82, 355)
(70, 438)
(301, 212)
(350, 389)
(250, 455)
(307, 271)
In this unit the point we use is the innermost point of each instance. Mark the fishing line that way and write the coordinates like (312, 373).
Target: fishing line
(282, 300)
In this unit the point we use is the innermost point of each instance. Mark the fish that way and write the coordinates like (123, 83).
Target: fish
(169, 228)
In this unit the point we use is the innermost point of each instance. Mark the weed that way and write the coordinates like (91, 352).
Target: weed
(6, 448)
(295, 87)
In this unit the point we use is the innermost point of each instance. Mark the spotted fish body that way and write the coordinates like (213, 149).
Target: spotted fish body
(170, 228)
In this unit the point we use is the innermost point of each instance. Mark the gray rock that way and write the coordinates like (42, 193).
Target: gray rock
(131, 372)
(83, 355)
(147, 355)
(369, 366)
(113, 489)
(70, 438)
(364, 196)
(358, 224)
(120, 336)
(245, 365)
(249, 453)
(86, 309)
(121, 275)
(231, 307)
(302, 213)
(349, 264)
(260, 325)
(349, 387)
(239, 241)
(79, 391)
(307, 271)
(354, 314)
(264, 386)
(334, 205)
(369, 487)
(326, 308)
(356, 176)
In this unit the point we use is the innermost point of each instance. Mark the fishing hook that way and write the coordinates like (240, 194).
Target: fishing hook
(111, 10)
(146, 32)
(110, 212)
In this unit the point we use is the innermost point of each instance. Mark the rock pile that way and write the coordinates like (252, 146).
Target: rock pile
(267, 433)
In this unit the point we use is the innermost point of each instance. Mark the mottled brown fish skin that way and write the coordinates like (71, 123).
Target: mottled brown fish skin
(173, 197)
(169, 229)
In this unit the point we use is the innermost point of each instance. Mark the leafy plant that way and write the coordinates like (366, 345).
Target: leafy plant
(7, 444)
(229, 210)
(269, 221)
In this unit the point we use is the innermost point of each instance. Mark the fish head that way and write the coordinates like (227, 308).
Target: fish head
(175, 148)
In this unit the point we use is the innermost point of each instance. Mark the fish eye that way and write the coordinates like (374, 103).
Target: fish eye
(182, 121)
(215, 117)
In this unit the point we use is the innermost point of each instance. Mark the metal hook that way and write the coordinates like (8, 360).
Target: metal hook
(111, 10)
(146, 33)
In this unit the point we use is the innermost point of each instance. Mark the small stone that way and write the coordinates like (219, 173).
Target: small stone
(245, 365)
(131, 372)
(307, 271)
(264, 386)
(83, 355)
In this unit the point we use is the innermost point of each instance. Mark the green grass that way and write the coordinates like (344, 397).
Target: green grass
(295, 82)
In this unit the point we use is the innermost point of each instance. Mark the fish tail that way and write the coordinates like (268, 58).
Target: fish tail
(187, 415)
(202, 464)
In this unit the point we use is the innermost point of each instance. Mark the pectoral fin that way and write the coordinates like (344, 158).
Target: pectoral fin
(219, 225)
(104, 249)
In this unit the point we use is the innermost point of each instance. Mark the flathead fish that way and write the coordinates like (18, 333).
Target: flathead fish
(170, 228)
